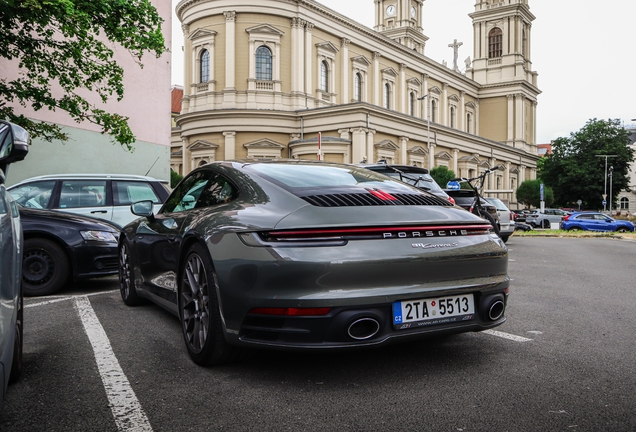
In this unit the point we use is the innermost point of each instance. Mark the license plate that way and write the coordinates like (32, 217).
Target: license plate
(441, 310)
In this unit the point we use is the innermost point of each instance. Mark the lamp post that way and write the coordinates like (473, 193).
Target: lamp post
(428, 128)
(610, 195)
(605, 189)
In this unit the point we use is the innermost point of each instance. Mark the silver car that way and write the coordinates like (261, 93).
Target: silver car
(506, 220)
(13, 148)
(546, 218)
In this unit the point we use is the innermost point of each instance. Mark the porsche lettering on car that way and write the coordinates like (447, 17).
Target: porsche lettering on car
(292, 254)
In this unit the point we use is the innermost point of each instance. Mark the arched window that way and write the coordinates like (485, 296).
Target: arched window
(494, 42)
(324, 76)
(469, 120)
(452, 117)
(205, 66)
(624, 203)
(387, 96)
(412, 103)
(357, 87)
(263, 63)
(434, 111)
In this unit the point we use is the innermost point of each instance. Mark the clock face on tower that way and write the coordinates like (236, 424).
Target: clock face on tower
(390, 10)
(413, 12)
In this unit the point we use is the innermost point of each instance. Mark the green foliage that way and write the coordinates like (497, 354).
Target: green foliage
(574, 170)
(442, 175)
(59, 44)
(175, 178)
(529, 193)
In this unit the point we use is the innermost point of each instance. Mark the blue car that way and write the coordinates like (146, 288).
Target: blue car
(13, 148)
(595, 221)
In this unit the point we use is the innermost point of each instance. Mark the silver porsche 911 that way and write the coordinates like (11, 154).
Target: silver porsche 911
(310, 255)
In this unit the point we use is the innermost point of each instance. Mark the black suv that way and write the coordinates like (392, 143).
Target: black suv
(415, 176)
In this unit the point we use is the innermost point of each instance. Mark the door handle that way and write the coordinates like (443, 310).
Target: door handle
(99, 211)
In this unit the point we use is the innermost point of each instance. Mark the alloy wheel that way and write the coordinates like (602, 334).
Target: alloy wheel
(195, 308)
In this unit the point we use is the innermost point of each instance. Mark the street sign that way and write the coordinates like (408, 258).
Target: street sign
(604, 197)
(453, 185)
(604, 203)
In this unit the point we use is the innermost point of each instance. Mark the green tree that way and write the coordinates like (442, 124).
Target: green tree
(59, 45)
(442, 175)
(574, 170)
(175, 178)
(529, 193)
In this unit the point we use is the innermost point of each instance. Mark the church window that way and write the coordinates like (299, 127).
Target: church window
(263, 63)
(387, 96)
(434, 111)
(357, 89)
(469, 121)
(205, 66)
(452, 117)
(495, 38)
(324, 76)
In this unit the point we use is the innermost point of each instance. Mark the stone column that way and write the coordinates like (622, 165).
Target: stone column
(230, 145)
(297, 47)
(344, 78)
(507, 176)
(185, 154)
(431, 156)
(511, 124)
(403, 147)
(519, 135)
(377, 79)
(229, 92)
(358, 145)
(401, 92)
(455, 161)
(309, 60)
(370, 149)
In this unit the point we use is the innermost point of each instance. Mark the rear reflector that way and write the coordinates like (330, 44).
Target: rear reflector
(291, 311)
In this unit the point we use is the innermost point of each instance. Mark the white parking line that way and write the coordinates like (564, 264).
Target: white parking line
(506, 336)
(64, 298)
(129, 416)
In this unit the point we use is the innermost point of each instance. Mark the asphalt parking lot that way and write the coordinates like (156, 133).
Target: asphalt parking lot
(563, 361)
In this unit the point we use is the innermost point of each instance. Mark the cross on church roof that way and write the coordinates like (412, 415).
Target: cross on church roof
(455, 45)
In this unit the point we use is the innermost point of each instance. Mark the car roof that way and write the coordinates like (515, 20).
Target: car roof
(91, 176)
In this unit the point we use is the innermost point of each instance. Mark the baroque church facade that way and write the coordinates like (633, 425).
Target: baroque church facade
(281, 78)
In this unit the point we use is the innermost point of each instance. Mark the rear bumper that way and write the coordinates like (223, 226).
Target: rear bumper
(333, 331)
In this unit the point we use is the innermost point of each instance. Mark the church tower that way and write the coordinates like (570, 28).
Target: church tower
(401, 20)
(502, 65)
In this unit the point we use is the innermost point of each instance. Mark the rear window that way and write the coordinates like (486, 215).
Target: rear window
(128, 192)
(497, 203)
(312, 176)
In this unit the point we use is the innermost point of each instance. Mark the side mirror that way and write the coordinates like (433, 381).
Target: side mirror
(142, 208)
(14, 144)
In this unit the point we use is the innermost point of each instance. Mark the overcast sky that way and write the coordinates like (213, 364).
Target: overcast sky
(583, 50)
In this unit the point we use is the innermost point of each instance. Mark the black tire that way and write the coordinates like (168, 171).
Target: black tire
(126, 281)
(622, 230)
(45, 267)
(16, 363)
(505, 238)
(574, 228)
(199, 312)
(532, 224)
(484, 214)
(545, 223)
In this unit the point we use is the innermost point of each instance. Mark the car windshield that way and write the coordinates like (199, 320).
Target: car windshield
(309, 175)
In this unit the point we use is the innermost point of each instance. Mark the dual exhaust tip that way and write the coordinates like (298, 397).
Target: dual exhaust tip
(365, 328)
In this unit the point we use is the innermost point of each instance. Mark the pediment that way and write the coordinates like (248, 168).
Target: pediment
(444, 155)
(390, 71)
(414, 81)
(484, 163)
(387, 144)
(418, 150)
(453, 97)
(470, 105)
(327, 46)
(199, 33)
(470, 158)
(265, 29)
(361, 60)
(202, 145)
(263, 143)
(435, 90)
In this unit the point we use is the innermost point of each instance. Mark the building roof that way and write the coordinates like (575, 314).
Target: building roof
(176, 94)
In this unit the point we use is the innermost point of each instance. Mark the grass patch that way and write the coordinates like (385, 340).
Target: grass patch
(581, 234)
